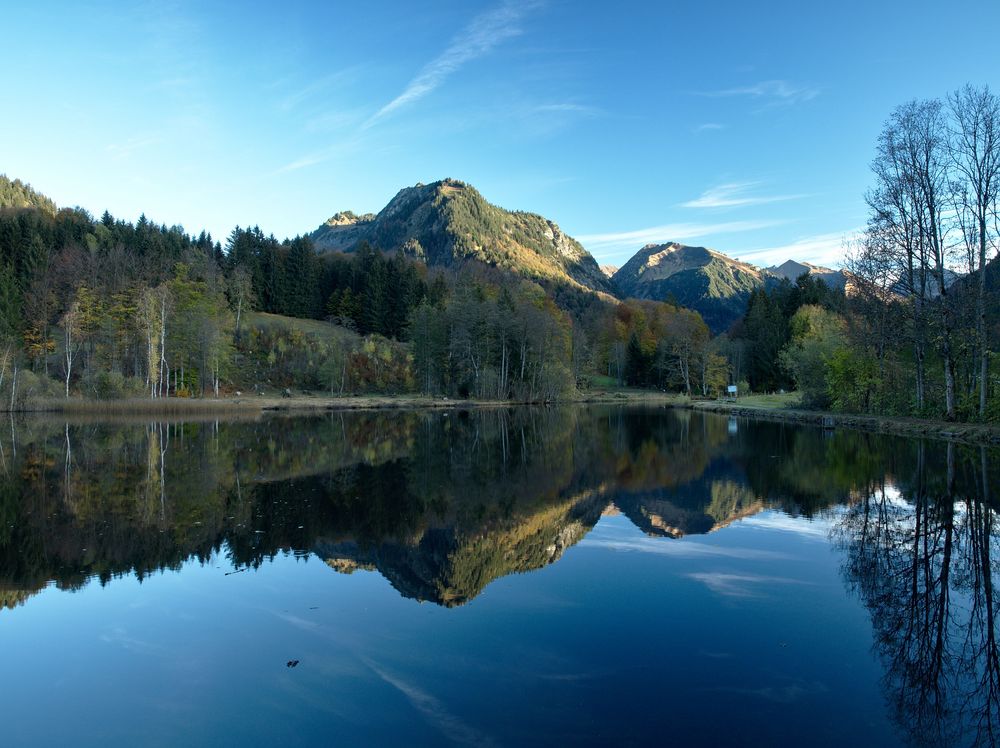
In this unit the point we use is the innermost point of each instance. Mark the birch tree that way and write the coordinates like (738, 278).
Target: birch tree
(71, 333)
(152, 311)
(241, 292)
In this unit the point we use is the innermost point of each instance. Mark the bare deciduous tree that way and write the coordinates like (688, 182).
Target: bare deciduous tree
(975, 157)
(909, 211)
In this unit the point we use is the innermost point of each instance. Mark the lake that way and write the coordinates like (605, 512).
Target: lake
(534, 576)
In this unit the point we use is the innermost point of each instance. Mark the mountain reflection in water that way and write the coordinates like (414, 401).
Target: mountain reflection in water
(440, 504)
(443, 503)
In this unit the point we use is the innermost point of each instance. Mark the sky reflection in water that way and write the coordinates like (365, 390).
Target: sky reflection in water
(682, 583)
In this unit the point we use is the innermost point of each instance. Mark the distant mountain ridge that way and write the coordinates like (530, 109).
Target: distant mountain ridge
(714, 284)
(609, 270)
(791, 270)
(447, 222)
(699, 278)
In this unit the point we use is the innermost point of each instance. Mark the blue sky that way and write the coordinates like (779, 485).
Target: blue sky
(747, 127)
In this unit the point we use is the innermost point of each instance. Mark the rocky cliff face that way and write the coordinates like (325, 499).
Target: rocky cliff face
(342, 231)
(447, 222)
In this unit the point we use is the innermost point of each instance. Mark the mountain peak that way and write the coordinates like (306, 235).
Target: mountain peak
(791, 270)
(706, 280)
(791, 266)
(451, 222)
(348, 218)
(700, 278)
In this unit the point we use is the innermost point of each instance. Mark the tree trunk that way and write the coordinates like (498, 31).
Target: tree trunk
(3, 367)
(946, 351)
(69, 350)
(918, 333)
(984, 352)
(163, 349)
(13, 391)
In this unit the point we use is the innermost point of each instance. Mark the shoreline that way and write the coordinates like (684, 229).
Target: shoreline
(307, 402)
(965, 433)
(255, 407)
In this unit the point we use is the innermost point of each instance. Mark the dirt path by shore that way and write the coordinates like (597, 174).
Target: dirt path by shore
(968, 433)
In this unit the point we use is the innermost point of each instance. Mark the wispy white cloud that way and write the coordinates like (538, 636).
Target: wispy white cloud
(618, 243)
(321, 85)
(120, 636)
(740, 585)
(734, 195)
(329, 121)
(566, 108)
(818, 249)
(127, 147)
(176, 83)
(772, 92)
(533, 119)
(815, 528)
(338, 149)
(683, 548)
(519, 118)
(485, 32)
(680, 549)
(310, 159)
(433, 710)
(709, 127)
(479, 38)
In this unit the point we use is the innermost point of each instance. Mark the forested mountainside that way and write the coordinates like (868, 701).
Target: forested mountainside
(16, 194)
(717, 286)
(447, 222)
(110, 309)
(440, 504)
(443, 293)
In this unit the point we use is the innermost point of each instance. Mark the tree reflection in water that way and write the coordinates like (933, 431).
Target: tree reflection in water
(441, 504)
(921, 553)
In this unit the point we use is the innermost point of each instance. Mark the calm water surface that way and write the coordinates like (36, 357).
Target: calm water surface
(521, 577)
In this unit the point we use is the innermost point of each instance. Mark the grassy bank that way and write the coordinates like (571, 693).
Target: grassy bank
(784, 408)
(242, 405)
(305, 402)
